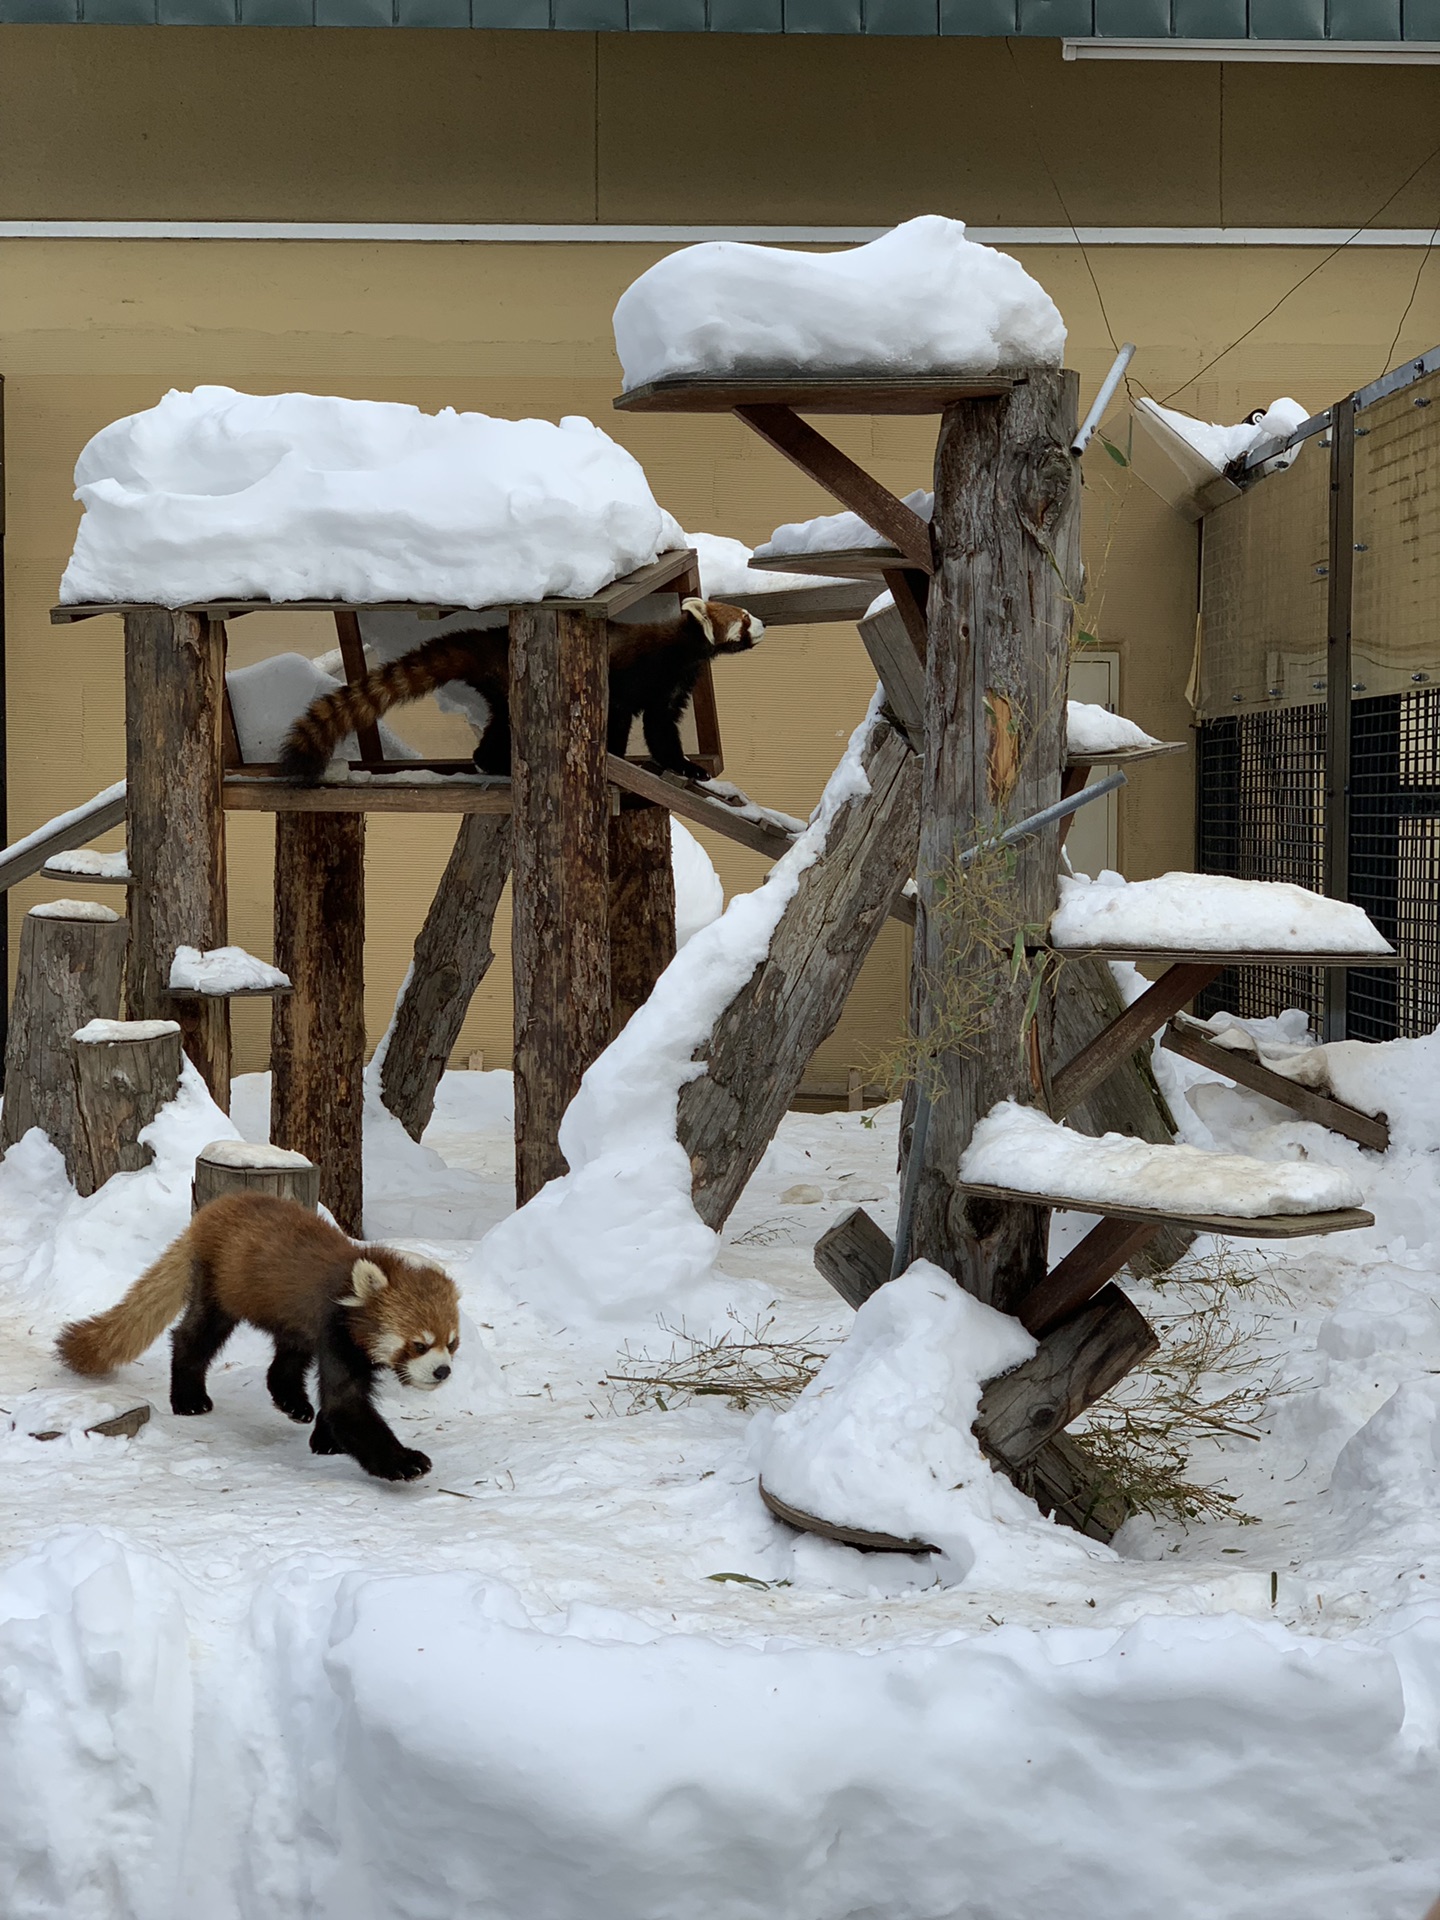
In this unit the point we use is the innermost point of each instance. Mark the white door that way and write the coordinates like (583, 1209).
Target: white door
(1093, 840)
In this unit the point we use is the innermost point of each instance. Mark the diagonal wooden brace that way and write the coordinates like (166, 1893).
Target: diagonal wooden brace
(1175, 987)
(1084, 1271)
(839, 475)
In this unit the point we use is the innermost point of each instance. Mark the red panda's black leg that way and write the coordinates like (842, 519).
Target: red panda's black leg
(492, 751)
(201, 1332)
(662, 736)
(348, 1421)
(617, 727)
(286, 1379)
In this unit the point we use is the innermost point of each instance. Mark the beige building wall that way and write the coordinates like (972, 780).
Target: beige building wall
(120, 123)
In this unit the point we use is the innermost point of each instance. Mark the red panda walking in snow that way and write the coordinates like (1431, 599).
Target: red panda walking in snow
(352, 1310)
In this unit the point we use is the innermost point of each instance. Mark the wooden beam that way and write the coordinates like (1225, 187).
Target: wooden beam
(1367, 1130)
(175, 823)
(561, 937)
(317, 1032)
(855, 1256)
(245, 793)
(1084, 1271)
(29, 855)
(841, 477)
(642, 907)
(352, 654)
(867, 393)
(452, 956)
(890, 643)
(705, 809)
(1244, 1226)
(863, 1537)
(759, 1048)
(1128, 1033)
(841, 563)
(1070, 1370)
(845, 601)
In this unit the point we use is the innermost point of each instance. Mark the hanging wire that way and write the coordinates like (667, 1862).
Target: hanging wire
(1414, 290)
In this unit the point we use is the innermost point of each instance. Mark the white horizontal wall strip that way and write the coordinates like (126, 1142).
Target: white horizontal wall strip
(362, 231)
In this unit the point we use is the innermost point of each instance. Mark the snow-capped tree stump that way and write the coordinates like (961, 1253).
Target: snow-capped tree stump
(560, 811)
(175, 822)
(241, 1166)
(452, 956)
(761, 1044)
(125, 1072)
(1006, 539)
(317, 1031)
(72, 962)
(642, 907)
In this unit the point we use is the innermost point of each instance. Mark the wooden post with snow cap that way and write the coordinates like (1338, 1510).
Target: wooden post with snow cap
(72, 961)
(1006, 534)
(559, 821)
(244, 1166)
(317, 1031)
(125, 1072)
(175, 821)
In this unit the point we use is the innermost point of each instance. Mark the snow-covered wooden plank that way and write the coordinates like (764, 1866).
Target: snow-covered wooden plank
(1185, 915)
(1366, 1129)
(67, 830)
(1259, 1226)
(862, 1537)
(846, 563)
(811, 391)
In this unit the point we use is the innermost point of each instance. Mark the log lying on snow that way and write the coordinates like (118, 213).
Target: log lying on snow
(241, 1166)
(757, 1053)
(125, 1072)
(72, 961)
(452, 956)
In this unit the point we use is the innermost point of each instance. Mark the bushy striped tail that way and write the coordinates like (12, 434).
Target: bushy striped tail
(109, 1340)
(314, 737)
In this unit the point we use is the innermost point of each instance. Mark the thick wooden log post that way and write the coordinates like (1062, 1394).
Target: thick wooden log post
(561, 941)
(175, 821)
(452, 956)
(759, 1049)
(317, 1032)
(238, 1166)
(125, 1072)
(1006, 533)
(72, 961)
(642, 907)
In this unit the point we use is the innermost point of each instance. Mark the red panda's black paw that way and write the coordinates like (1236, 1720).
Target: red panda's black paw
(692, 771)
(300, 1411)
(191, 1403)
(407, 1464)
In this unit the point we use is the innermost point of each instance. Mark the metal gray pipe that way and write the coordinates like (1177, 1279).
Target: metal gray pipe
(1103, 398)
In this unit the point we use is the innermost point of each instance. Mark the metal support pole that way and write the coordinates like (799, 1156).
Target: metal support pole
(1338, 675)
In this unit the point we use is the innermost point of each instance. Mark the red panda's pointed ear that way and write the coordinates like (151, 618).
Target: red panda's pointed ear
(699, 611)
(366, 1280)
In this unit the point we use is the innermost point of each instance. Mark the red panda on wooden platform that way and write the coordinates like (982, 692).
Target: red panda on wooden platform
(350, 1311)
(653, 669)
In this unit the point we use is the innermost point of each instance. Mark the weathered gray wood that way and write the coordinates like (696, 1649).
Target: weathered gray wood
(691, 802)
(1006, 539)
(1246, 1226)
(121, 1083)
(855, 1256)
(561, 939)
(1367, 1130)
(1109, 1245)
(29, 855)
(642, 907)
(1063, 1479)
(863, 1537)
(317, 1032)
(123, 1426)
(69, 973)
(175, 821)
(901, 668)
(221, 1169)
(452, 956)
(760, 1046)
(1072, 1367)
(1085, 1002)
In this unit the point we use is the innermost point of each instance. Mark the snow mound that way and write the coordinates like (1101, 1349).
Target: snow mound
(270, 696)
(881, 1438)
(1220, 445)
(699, 896)
(72, 910)
(921, 299)
(726, 572)
(223, 970)
(253, 1154)
(99, 1031)
(298, 496)
(1208, 913)
(1022, 1148)
(1092, 729)
(83, 863)
(835, 532)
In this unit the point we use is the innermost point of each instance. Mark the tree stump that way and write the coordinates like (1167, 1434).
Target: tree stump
(239, 1166)
(125, 1072)
(452, 956)
(642, 907)
(317, 1031)
(72, 962)
(1006, 530)
(762, 1043)
(175, 821)
(561, 942)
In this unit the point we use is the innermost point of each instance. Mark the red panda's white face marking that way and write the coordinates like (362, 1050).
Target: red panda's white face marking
(728, 629)
(408, 1319)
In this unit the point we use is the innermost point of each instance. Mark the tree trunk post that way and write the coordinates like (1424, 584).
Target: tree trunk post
(642, 907)
(175, 821)
(72, 962)
(452, 956)
(317, 1032)
(1006, 534)
(125, 1072)
(237, 1166)
(561, 939)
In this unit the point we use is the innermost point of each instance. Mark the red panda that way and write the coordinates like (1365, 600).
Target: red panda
(275, 1265)
(653, 670)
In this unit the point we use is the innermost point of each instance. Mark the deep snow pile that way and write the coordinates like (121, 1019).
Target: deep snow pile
(1093, 729)
(835, 532)
(299, 496)
(1208, 913)
(921, 299)
(222, 970)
